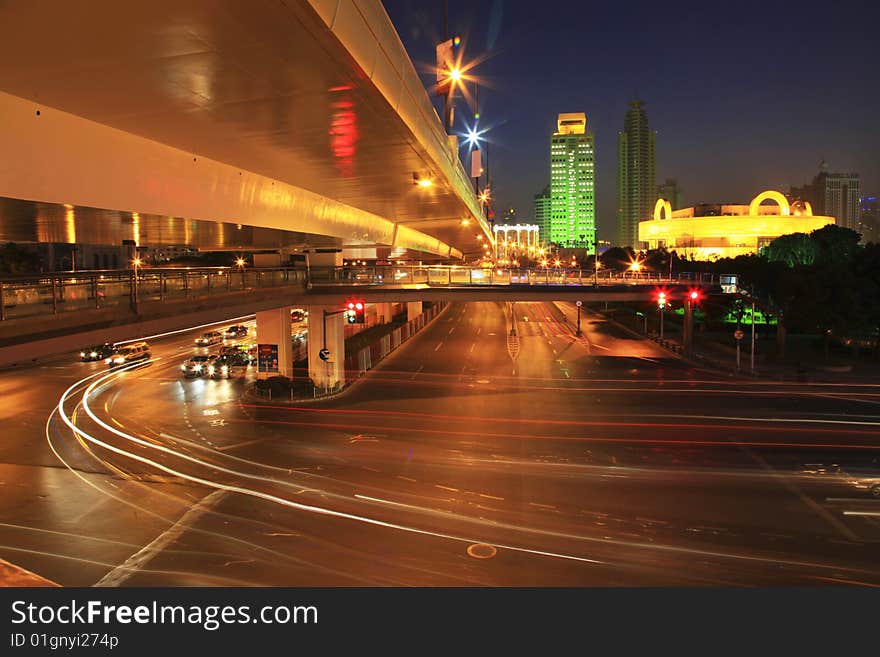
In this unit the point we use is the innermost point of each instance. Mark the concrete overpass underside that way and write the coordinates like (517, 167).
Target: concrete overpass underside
(223, 124)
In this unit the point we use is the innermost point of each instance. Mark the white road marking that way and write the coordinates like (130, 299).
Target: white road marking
(437, 348)
(142, 557)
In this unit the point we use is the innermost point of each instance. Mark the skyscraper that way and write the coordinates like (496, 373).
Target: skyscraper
(832, 194)
(542, 212)
(670, 191)
(572, 221)
(636, 185)
(869, 219)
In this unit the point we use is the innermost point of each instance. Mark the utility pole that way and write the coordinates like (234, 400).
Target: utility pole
(447, 104)
(753, 338)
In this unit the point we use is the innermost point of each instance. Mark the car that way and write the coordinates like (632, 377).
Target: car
(97, 352)
(248, 352)
(297, 315)
(198, 365)
(228, 365)
(209, 338)
(236, 331)
(128, 353)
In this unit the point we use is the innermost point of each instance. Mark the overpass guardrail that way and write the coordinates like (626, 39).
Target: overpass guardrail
(64, 292)
(52, 294)
(453, 276)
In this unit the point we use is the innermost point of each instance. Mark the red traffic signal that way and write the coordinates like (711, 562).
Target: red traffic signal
(661, 298)
(355, 313)
(694, 296)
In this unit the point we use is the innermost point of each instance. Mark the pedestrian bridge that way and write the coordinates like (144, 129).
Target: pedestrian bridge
(88, 291)
(41, 315)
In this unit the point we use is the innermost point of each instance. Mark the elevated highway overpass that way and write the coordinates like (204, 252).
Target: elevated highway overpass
(221, 124)
(42, 315)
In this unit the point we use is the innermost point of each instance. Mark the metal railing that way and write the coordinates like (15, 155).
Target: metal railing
(453, 276)
(51, 294)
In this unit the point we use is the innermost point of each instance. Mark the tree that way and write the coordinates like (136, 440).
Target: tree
(835, 243)
(792, 249)
(617, 258)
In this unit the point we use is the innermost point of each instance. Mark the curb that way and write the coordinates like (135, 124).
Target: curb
(16, 576)
(672, 352)
(252, 398)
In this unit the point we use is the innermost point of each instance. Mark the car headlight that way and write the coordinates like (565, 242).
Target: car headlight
(108, 360)
(94, 354)
(183, 368)
(211, 369)
(82, 354)
(224, 369)
(119, 360)
(198, 368)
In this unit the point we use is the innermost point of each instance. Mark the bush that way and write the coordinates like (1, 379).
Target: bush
(277, 385)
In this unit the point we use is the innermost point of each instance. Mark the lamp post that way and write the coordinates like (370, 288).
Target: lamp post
(579, 304)
(240, 263)
(136, 262)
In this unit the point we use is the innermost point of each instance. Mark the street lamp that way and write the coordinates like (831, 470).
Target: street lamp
(135, 263)
(240, 263)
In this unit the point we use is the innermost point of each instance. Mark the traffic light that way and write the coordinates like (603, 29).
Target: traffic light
(661, 300)
(355, 312)
(694, 296)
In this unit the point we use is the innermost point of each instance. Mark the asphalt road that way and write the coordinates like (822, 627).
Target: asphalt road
(495, 448)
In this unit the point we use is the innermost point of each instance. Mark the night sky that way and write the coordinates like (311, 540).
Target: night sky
(744, 96)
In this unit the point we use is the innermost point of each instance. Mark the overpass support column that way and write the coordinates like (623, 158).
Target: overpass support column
(326, 331)
(384, 312)
(413, 310)
(273, 327)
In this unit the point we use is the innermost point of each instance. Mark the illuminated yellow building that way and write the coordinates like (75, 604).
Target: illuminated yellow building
(708, 232)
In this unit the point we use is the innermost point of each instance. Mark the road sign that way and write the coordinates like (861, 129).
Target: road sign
(324, 354)
(738, 334)
(578, 303)
(267, 358)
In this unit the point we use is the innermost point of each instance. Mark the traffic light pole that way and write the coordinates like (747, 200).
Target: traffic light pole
(687, 336)
(753, 339)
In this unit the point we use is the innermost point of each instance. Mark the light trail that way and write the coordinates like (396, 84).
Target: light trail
(310, 508)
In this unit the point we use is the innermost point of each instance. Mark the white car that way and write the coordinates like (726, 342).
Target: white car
(209, 338)
(128, 354)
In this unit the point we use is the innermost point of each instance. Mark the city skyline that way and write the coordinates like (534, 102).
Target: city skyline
(730, 125)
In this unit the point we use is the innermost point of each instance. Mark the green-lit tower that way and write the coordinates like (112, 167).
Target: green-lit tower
(572, 221)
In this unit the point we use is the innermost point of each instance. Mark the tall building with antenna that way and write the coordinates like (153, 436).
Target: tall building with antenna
(636, 174)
